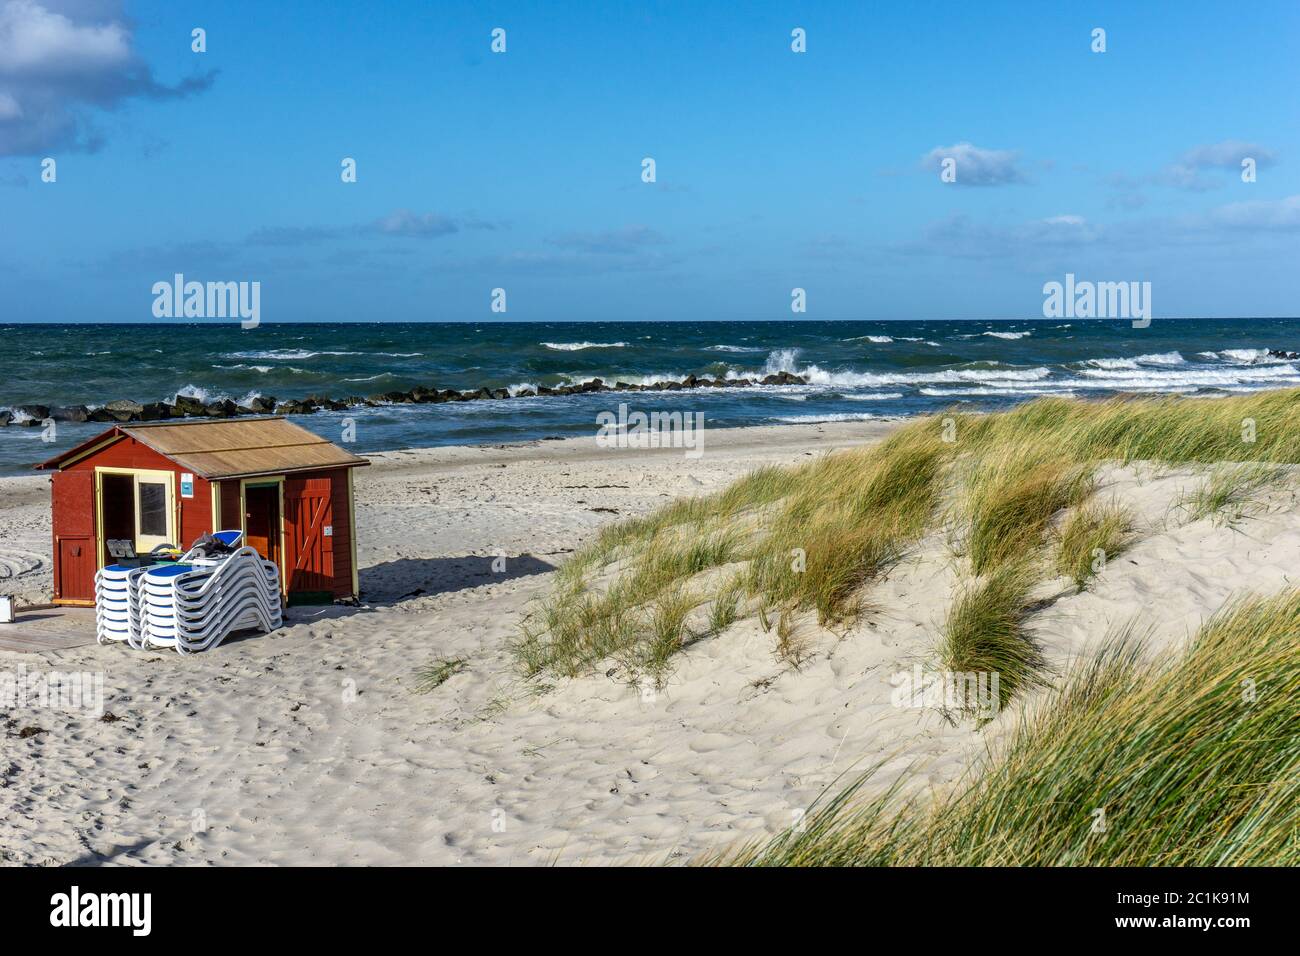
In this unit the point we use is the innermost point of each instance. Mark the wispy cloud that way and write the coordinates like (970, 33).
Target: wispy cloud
(618, 242)
(1260, 214)
(961, 237)
(294, 235)
(976, 166)
(566, 263)
(403, 222)
(62, 59)
(346, 244)
(1196, 168)
(400, 223)
(1225, 226)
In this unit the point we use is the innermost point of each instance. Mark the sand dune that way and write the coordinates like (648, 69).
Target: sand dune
(310, 746)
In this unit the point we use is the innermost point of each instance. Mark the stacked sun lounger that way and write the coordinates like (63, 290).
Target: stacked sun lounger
(191, 605)
(117, 604)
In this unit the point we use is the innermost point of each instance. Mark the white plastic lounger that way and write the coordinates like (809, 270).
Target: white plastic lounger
(117, 604)
(191, 605)
(194, 606)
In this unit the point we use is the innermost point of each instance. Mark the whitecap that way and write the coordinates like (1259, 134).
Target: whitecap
(828, 417)
(1159, 358)
(1248, 356)
(579, 346)
(283, 354)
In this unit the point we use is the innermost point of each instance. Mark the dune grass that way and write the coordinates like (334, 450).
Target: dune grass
(1091, 535)
(1011, 497)
(815, 536)
(805, 538)
(434, 675)
(1231, 492)
(984, 632)
(1166, 429)
(1129, 763)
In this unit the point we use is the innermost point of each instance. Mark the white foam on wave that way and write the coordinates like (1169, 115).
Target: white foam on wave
(828, 417)
(279, 355)
(876, 397)
(1008, 335)
(580, 346)
(263, 369)
(1242, 356)
(994, 390)
(947, 376)
(1124, 379)
(1248, 356)
(285, 354)
(208, 396)
(1160, 359)
(734, 348)
(786, 360)
(882, 339)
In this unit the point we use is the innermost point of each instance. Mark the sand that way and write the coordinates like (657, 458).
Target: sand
(310, 746)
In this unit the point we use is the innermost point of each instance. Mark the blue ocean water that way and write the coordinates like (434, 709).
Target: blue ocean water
(855, 370)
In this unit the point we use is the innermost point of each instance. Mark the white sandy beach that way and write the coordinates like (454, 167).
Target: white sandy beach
(309, 746)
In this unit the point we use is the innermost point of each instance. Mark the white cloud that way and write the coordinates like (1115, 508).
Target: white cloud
(59, 61)
(624, 241)
(1279, 214)
(403, 222)
(963, 238)
(35, 40)
(10, 108)
(1189, 172)
(976, 166)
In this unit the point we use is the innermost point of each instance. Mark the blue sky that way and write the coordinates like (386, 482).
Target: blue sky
(522, 170)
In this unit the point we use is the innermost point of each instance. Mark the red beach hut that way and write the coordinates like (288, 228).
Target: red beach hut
(290, 491)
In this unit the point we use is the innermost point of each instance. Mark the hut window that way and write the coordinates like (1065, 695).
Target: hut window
(153, 509)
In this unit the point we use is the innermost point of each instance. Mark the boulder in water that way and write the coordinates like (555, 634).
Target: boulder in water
(38, 412)
(187, 405)
(70, 413)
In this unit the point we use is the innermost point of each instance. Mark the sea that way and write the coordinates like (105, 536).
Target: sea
(856, 370)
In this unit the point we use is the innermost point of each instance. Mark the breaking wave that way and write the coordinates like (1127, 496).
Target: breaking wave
(580, 346)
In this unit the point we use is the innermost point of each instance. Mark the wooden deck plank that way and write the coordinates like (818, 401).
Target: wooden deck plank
(48, 629)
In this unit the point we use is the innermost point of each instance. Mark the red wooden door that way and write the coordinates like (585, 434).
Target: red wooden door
(262, 520)
(309, 535)
(76, 556)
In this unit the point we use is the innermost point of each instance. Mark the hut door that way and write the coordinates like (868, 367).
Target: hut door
(74, 537)
(309, 528)
(262, 520)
